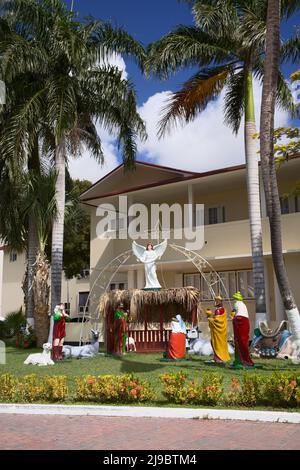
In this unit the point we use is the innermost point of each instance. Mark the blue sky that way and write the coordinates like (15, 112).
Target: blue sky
(148, 21)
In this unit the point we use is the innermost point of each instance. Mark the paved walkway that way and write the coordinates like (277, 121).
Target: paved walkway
(19, 431)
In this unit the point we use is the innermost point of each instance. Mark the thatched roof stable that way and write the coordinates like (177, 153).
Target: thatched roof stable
(175, 300)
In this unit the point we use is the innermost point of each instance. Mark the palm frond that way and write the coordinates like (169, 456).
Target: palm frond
(235, 100)
(193, 98)
(290, 50)
(185, 47)
(106, 40)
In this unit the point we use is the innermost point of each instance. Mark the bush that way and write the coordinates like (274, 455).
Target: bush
(25, 338)
(29, 389)
(12, 324)
(176, 390)
(212, 389)
(8, 385)
(245, 392)
(281, 390)
(110, 389)
(55, 388)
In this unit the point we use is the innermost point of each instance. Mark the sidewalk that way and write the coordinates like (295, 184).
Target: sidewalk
(65, 432)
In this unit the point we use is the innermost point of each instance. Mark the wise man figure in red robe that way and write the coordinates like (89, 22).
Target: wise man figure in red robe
(241, 329)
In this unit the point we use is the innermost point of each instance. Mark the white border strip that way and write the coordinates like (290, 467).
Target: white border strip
(149, 412)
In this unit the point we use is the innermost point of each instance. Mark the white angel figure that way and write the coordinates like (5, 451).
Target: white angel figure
(148, 256)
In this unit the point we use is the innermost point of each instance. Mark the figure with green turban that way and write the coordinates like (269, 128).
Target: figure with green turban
(241, 329)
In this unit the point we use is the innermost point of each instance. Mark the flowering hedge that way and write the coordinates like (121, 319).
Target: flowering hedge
(112, 389)
(103, 389)
(249, 390)
(178, 390)
(31, 388)
(277, 390)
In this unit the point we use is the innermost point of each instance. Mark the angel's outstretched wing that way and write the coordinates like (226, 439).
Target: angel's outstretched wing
(138, 250)
(161, 248)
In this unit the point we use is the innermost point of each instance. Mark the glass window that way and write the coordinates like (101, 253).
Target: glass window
(212, 215)
(83, 299)
(245, 284)
(13, 256)
(284, 204)
(227, 284)
(192, 280)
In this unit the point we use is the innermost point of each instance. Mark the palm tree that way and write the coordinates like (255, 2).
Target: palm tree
(73, 91)
(41, 206)
(227, 44)
(268, 164)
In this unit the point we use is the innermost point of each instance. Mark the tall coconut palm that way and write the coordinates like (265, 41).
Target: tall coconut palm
(73, 87)
(227, 45)
(268, 164)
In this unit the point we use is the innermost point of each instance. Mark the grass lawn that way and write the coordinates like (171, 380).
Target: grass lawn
(145, 366)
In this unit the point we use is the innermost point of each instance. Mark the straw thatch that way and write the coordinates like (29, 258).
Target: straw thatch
(175, 300)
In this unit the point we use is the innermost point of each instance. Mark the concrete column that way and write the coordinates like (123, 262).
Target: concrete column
(140, 279)
(130, 279)
(1, 283)
(279, 307)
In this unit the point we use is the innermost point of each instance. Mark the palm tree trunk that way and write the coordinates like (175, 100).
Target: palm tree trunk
(58, 226)
(268, 165)
(31, 259)
(33, 244)
(254, 203)
(41, 293)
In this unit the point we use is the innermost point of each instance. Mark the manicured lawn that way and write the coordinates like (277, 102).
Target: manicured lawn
(145, 366)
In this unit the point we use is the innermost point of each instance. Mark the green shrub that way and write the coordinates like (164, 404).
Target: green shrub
(212, 388)
(177, 390)
(55, 388)
(13, 323)
(29, 389)
(281, 390)
(8, 385)
(109, 389)
(246, 391)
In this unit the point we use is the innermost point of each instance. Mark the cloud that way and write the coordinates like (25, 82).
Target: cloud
(86, 167)
(202, 145)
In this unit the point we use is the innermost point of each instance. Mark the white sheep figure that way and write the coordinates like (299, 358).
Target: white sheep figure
(86, 351)
(41, 359)
(130, 344)
(200, 346)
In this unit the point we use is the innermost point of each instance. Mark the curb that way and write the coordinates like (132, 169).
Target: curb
(151, 412)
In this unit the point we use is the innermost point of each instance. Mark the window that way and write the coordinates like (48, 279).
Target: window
(13, 256)
(245, 284)
(118, 223)
(215, 215)
(290, 204)
(67, 307)
(225, 283)
(83, 302)
(118, 286)
(284, 204)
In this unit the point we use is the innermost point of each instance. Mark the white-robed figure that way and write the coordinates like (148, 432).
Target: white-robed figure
(148, 256)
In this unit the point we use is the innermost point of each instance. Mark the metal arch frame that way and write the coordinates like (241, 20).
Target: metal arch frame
(124, 257)
(203, 263)
(198, 261)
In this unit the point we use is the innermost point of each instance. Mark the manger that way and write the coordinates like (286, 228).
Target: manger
(150, 314)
